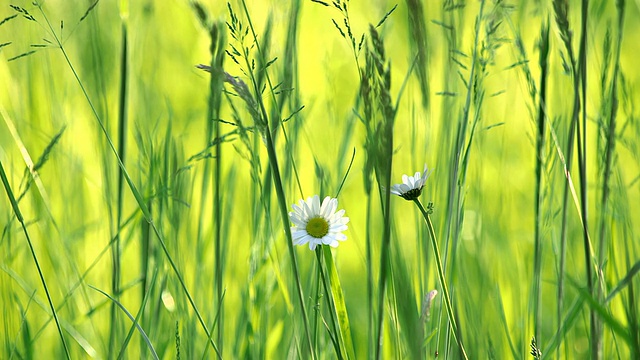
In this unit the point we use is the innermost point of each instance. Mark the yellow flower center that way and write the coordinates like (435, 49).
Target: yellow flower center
(317, 227)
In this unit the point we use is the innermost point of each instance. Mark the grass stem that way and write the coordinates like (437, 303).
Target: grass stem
(16, 210)
(284, 213)
(137, 195)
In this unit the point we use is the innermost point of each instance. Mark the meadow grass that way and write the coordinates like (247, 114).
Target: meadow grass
(151, 152)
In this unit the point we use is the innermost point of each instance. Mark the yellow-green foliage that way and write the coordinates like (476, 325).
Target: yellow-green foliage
(191, 236)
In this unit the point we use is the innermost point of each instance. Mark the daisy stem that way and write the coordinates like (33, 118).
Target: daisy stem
(339, 305)
(443, 282)
(328, 290)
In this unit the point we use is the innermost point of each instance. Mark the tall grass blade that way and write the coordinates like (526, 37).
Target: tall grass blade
(122, 150)
(18, 214)
(578, 71)
(261, 118)
(332, 329)
(572, 315)
(218, 44)
(136, 321)
(595, 326)
(133, 319)
(379, 119)
(419, 36)
(624, 282)
(540, 161)
(410, 321)
(339, 303)
(503, 320)
(604, 314)
(138, 197)
(24, 331)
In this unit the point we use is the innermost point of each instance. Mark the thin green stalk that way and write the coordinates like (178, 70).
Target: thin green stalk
(595, 325)
(632, 312)
(564, 217)
(384, 261)
(458, 159)
(393, 310)
(272, 92)
(608, 156)
(339, 305)
(608, 160)
(317, 314)
(212, 125)
(379, 117)
(218, 44)
(24, 326)
(122, 146)
(277, 183)
(328, 290)
(562, 19)
(16, 210)
(284, 213)
(540, 160)
(464, 120)
(148, 253)
(218, 248)
(443, 283)
(136, 321)
(136, 193)
(133, 319)
(419, 36)
(81, 280)
(369, 258)
(448, 137)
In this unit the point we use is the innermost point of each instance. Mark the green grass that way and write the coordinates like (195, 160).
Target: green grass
(147, 200)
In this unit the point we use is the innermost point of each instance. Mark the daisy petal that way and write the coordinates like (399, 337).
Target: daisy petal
(341, 237)
(327, 239)
(315, 205)
(303, 240)
(337, 228)
(298, 234)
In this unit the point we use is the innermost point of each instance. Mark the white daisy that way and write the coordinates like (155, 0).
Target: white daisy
(411, 186)
(318, 224)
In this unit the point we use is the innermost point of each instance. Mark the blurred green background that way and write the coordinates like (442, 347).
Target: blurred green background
(70, 201)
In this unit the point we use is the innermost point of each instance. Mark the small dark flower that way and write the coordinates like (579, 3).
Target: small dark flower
(411, 186)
